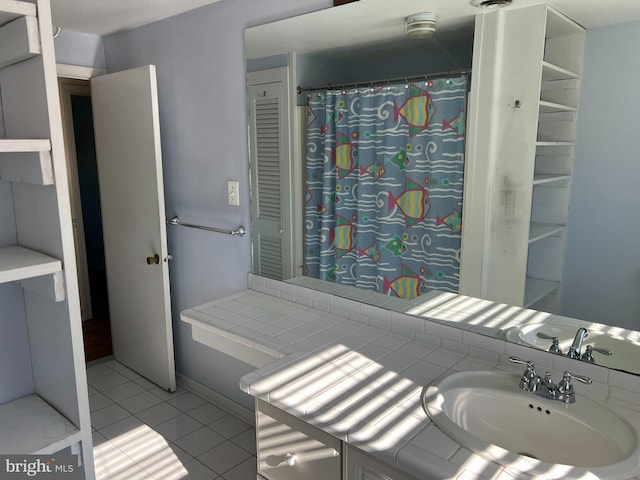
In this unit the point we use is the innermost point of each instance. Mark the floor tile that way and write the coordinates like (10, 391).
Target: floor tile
(97, 371)
(107, 416)
(120, 368)
(178, 427)
(123, 391)
(144, 444)
(158, 414)
(187, 402)
(207, 413)
(246, 440)
(165, 395)
(167, 434)
(105, 382)
(98, 401)
(229, 426)
(144, 383)
(118, 431)
(98, 439)
(163, 463)
(197, 471)
(200, 441)
(245, 471)
(224, 457)
(128, 471)
(115, 365)
(140, 402)
(109, 460)
(183, 456)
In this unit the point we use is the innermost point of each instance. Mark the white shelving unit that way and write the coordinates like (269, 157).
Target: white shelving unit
(44, 404)
(522, 132)
(39, 428)
(558, 108)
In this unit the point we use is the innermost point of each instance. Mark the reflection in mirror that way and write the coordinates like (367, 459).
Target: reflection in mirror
(595, 285)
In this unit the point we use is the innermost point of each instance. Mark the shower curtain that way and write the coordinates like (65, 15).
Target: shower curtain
(384, 177)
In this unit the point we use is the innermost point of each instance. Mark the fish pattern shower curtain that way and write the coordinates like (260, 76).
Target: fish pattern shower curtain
(384, 181)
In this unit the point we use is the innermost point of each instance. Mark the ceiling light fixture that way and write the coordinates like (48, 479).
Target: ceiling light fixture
(491, 3)
(420, 25)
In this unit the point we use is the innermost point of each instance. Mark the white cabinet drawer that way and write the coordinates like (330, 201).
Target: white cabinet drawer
(290, 449)
(360, 466)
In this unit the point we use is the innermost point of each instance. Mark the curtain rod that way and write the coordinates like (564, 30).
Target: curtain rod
(386, 81)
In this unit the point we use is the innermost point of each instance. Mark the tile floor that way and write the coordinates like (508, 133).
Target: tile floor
(143, 432)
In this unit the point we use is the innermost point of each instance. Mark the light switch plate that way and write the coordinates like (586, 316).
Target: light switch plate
(233, 193)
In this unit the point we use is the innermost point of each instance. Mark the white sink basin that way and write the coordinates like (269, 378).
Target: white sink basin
(487, 413)
(625, 351)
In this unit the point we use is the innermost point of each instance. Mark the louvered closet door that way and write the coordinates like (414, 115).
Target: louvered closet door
(268, 153)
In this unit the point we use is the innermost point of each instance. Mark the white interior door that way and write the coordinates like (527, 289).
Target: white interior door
(127, 131)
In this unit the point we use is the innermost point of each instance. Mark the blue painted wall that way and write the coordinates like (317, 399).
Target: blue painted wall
(200, 63)
(76, 48)
(601, 279)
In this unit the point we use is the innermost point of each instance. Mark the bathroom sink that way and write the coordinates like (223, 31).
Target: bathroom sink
(487, 413)
(625, 351)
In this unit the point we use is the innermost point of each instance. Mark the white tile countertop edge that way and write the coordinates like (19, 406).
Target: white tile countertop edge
(408, 358)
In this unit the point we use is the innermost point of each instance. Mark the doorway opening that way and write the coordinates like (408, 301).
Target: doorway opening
(77, 122)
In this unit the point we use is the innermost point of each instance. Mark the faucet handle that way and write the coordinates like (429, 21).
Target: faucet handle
(580, 378)
(587, 356)
(530, 378)
(530, 365)
(555, 342)
(565, 387)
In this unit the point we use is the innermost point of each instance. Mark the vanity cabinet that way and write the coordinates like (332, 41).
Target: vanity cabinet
(360, 466)
(43, 389)
(522, 124)
(290, 449)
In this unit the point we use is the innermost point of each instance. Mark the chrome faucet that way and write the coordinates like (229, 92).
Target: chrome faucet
(576, 346)
(544, 386)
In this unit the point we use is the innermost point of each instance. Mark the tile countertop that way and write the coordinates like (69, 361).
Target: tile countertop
(361, 383)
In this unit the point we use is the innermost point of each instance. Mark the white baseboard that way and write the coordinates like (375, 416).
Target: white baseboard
(217, 398)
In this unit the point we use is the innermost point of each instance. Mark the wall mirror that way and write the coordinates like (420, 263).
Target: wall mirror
(361, 45)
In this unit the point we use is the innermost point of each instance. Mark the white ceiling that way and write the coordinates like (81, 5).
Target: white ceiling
(374, 22)
(102, 17)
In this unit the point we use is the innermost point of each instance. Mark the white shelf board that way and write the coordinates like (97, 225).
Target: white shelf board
(551, 107)
(27, 161)
(554, 148)
(18, 263)
(558, 25)
(29, 425)
(20, 40)
(538, 231)
(24, 145)
(542, 179)
(551, 72)
(536, 289)
(12, 9)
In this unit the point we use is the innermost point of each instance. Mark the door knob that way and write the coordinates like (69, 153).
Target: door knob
(155, 259)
